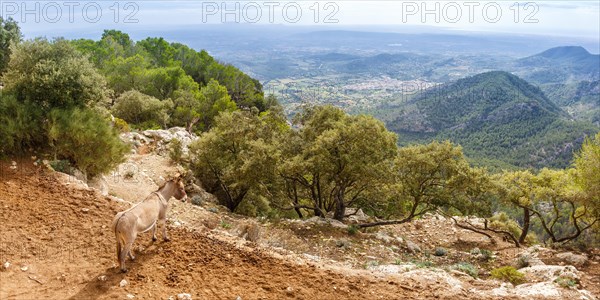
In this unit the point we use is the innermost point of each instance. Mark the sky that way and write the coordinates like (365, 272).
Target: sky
(556, 18)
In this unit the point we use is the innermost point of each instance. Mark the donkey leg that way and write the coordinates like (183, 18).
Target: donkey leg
(122, 256)
(154, 238)
(131, 253)
(165, 236)
(119, 253)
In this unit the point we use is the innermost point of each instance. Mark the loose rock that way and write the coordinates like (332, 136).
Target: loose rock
(184, 296)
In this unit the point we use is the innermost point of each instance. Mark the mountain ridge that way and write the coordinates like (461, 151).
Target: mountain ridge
(497, 117)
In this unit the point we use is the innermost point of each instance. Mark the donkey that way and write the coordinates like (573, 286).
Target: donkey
(143, 217)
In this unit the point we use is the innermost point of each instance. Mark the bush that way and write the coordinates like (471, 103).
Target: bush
(121, 125)
(53, 74)
(439, 251)
(86, 140)
(176, 150)
(142, 110)
(467, 268)
(486, 255)
(225, 224)
(352, 230)
(197, 200)
(508, 273)
(523, 261)
(566, 282)
(20, 125)
(502, 221)
(62, 166)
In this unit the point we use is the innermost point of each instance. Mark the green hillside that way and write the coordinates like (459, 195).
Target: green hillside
(499, 119)
(581, 99)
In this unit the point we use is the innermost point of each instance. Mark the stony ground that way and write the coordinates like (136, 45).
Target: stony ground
(55, 236)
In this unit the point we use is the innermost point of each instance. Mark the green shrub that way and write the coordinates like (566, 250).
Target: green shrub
(176, 150)
(523, 261)
(486, 255)
(62, 166)
(53, 74)
(502, 221)
(142, 110)
(20, 125)
(508, 273)
(352, 229)
(86, 140)
(439, 251)
(121, 125)
(566, 282)
(225, 224)
(467, 268)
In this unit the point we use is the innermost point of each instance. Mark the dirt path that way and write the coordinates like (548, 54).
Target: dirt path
(58, 242)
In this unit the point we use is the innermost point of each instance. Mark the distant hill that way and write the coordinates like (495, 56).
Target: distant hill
(567, 53)
(581, 99)
(560, 64)
(500, 119)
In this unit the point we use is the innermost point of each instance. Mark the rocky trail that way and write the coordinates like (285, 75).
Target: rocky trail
(56, 243)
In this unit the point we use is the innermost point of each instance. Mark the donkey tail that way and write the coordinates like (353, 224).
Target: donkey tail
(119, 236)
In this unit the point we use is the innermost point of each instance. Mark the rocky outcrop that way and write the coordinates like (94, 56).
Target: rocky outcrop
(571, 258)
(158, 140)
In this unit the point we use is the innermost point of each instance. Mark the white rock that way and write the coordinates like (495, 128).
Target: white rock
(550, 273)
(573, 259)
(6, 265)
(130, 296)
(123, 283)
(24, 268)
(102, 277)
(312, 257)
(541, 289)
(393, 269)
(184, 296)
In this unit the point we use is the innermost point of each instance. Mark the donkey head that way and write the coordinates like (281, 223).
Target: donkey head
(180, 193)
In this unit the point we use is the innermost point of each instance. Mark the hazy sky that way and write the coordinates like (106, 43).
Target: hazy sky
(568, 18)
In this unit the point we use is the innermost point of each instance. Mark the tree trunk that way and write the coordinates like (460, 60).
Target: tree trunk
(296, 203)
(526, 219)
(340, 206)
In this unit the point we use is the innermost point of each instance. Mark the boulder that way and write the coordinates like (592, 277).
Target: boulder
(354, 215)
(184, 296)
(550, 273)
(412, 247)
(540, 289)
(158, 135)
(571, 258)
